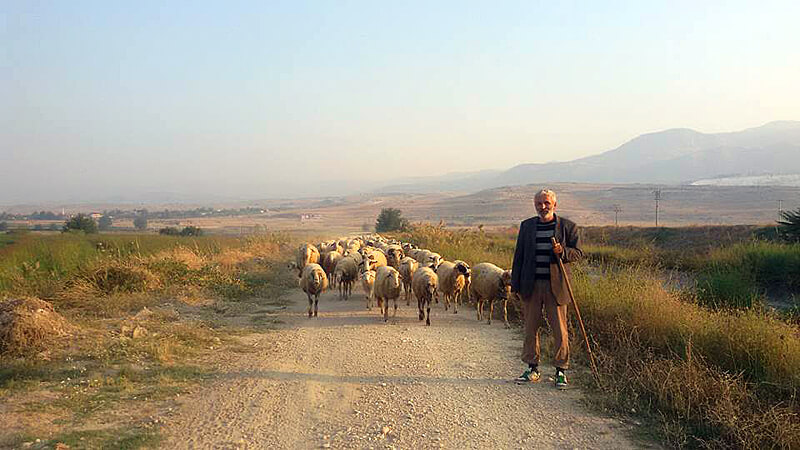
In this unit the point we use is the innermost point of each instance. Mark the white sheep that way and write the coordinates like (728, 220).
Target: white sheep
(368, 284)
(313, 282)
(407, 268)
(454, 277)
(490, 282)
(424, 283)
(328, 263)
(387, 287)
(373, 259)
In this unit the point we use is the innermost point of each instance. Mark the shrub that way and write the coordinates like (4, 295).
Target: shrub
(390, 219)
(81, 222)
(790, 225)
(104, 223)
(140, 222)
(169, 231)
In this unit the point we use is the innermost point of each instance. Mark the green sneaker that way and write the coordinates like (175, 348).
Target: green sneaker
(529, 376)
(561, 379)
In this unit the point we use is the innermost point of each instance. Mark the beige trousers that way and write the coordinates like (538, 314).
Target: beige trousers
(542, 297)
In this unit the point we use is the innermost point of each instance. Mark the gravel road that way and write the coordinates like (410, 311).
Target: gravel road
(348, 380)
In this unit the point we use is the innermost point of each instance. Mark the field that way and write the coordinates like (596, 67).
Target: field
(707, 368)
(703, 364)
(141, 317)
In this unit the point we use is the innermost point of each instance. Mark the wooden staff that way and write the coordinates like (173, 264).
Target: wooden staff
(592, 363)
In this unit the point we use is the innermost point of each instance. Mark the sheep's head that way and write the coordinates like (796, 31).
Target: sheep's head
(505, 284)
(463, 268)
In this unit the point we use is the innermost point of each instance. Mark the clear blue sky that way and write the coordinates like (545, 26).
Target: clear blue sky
(261, 98)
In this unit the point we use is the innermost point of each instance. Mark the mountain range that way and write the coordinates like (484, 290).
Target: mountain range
(675, 156)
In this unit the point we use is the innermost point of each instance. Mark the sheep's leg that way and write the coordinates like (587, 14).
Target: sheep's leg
(316, 305)
(479, 306)
(491, 310)
(428, 317)
(420, 305)
(310, 303)
(505, 313)
(407, 288)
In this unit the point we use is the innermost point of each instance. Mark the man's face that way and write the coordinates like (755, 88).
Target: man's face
(545, 207)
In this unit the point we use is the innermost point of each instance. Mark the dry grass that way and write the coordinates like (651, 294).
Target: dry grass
(28, 325)
(709, 378)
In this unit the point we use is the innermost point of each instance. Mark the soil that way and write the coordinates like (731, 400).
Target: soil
(347, 379)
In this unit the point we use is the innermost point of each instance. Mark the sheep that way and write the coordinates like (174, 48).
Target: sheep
(306, 254)
(368, 284)
(328, 263)
(345, 274)
(428, 258)
(454, 277)
(313, 282)
(490, 282)
(407, 268)
(393, 255)
(355, 255)
(373, 259)
(424, 283)
(387, 287)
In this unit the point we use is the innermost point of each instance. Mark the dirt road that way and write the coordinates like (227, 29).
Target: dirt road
(348, 380)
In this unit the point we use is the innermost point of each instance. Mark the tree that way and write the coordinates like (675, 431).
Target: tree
(390, 219)
(789, 227)
(140, 222)
(191, 231)
(81, 222)
(3, 226)
(104, 223)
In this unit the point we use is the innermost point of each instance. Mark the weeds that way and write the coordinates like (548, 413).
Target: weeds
(708, 377)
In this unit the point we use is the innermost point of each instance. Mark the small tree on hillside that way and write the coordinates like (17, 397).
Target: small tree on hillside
(104, 223)
(390, 219)
(140, 222)
(3, 226)
(81, 222)
(789, 227)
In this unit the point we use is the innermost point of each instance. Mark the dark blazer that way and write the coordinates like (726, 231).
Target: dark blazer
(523, 272)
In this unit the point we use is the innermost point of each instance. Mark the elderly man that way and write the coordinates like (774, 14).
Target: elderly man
(536, 277)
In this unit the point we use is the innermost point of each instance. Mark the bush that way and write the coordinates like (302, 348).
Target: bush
(104, 224)
(81, 222)
(140, 222)
(4, 226)
(186, 231)
(789, 227)
(390, 219)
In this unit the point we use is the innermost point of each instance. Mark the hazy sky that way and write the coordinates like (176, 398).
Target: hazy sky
(265, 97)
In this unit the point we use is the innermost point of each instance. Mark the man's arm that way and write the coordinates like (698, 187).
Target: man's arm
(519, 257)
(572, 251)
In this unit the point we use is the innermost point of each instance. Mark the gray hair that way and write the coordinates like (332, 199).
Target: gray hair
(546, 192)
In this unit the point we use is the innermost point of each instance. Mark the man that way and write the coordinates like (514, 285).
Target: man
(537, 279)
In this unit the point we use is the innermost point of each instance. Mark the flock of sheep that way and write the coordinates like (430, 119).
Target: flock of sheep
(388, 269)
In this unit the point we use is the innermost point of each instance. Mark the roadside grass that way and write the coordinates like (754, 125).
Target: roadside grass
(707, 377)
(146, 310)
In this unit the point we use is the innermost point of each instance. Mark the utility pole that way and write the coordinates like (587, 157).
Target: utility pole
(657, 194)
(617, 210)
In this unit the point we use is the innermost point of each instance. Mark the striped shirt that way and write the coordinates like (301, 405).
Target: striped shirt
(544, 249)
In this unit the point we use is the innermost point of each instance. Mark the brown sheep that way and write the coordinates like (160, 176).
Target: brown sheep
(454, 277)
(313, 282)
(490, 282)
(424, 283)
(306, 254)
(328, 263)
(387, 287)
(345, 274)
(394, 254)
(373, 259)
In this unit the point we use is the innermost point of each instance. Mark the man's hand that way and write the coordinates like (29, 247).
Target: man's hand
(557, 248)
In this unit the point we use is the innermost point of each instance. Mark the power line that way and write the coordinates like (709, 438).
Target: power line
(617, 210)
(657, 194)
